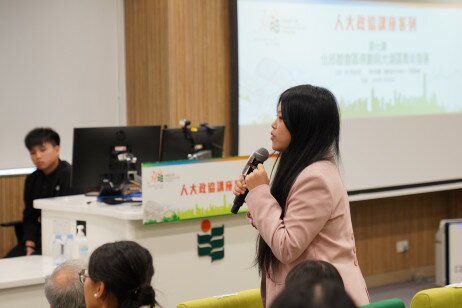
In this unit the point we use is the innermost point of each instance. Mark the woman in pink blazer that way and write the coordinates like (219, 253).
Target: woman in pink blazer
(304, 214)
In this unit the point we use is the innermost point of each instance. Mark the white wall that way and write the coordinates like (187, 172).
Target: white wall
(63, 66)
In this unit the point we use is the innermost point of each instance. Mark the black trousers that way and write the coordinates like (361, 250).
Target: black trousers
(20, 251)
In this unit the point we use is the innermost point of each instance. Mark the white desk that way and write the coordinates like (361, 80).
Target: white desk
(22, 279)
(180, 274)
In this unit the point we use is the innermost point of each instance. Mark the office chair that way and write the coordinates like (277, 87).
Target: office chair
(445, 297)
(247, 298)
(386, 303)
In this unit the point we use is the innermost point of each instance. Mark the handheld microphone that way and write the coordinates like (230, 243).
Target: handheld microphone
(258, 157)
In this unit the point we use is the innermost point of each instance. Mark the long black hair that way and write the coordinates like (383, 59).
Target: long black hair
(312, 118)
(126, 270)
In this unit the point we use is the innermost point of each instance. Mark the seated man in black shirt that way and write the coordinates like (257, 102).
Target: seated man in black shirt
(51, 179)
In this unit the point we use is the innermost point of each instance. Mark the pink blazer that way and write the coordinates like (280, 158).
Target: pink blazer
(316, 226)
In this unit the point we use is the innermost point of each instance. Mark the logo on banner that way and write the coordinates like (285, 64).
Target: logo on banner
(158, 177)
(211, 242)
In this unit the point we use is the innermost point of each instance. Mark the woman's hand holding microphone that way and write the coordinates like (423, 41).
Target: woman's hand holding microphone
(250, 181)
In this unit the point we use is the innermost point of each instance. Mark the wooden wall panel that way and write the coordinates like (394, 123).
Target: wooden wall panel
(200, 48)
(456, 203)
(146, 52)
(378, 224)
(11, 206)
(178, 62)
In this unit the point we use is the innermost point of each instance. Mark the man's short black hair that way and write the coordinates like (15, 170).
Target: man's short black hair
(41, 135)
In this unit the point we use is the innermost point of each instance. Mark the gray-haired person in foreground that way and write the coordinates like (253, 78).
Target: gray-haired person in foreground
(63, 288)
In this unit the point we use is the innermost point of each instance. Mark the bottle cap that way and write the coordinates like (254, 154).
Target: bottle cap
(80, 230)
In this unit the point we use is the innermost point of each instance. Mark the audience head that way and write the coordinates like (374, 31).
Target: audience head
(63, 288)
(43, 146)
(314, 270)
(41, 135)
(322, 293)
(119, 275)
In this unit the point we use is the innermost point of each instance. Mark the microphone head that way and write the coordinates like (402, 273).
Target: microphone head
(261, 155)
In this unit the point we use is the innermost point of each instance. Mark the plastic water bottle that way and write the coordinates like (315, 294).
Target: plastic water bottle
(81, 244)
(57, 249)
(69, 247)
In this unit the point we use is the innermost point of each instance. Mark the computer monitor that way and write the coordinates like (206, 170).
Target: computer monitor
(192, 143)
(103, 153)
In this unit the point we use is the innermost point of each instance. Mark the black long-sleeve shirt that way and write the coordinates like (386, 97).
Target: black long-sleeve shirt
(38, 186)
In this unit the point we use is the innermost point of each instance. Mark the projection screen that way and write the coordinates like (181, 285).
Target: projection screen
(394, 67)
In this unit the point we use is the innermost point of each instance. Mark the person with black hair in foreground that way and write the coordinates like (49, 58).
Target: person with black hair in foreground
(119, 276)
(304, 214)
(314, 270)
(321, 293)
(51, 179)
